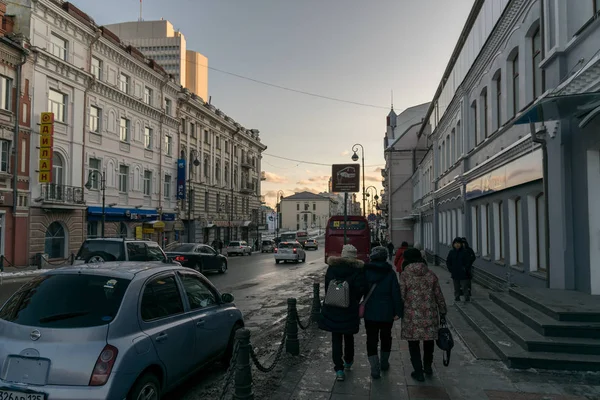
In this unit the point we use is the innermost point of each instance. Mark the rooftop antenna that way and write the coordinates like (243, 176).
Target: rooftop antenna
(392, 94)
(140, 11)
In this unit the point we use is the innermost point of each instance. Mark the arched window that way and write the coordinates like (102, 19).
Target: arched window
(56, 241)
(449, 160)
(57, 169)
(206, 169)
(475, 128)
(226, 173)
(218, 171)
(484, 112)
(497, 98)
(453, 153)
(123, 231)
(514, 71)
(536, 58)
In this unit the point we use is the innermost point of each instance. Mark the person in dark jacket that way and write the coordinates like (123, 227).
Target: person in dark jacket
(390, 249)
(458, 263)
(343, 323)
(472, 257)
(382, 308)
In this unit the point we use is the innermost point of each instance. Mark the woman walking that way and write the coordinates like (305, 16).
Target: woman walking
(424, 306)
(343, 322)
(383, 306)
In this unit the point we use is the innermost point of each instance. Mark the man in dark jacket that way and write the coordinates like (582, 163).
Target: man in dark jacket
(458, 263)
(382, 308)
(471, 259)
(390, 249)
(343, 323)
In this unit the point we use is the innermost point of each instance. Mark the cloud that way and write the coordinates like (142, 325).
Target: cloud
(378, 169)
(307, 189)
(274, 178)
(373, 178)
(345, 153)
(314, 179)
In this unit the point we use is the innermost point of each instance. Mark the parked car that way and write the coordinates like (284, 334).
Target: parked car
(199, 257)
(136, 329)
(311, 244)
(267, 246)
(238, 248)
(119, 249)
(290, 251)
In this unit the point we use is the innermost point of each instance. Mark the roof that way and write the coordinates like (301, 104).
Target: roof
(305, 196)
(117, 269)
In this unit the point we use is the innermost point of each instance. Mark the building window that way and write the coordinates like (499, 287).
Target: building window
(148, 134)
(443, 158)
(476, 229)
(124, 83)
(499, 230)
(167, 187)
(124, 129)
(297, 206)
(518, 231)
(540, 227)
(95, 115)
(226, 173)
(206, 168)
(168, 145)
(4, 155)
(168, 106)
(147, 182)
(58, 47)
(484, 112)
(218, 171)
(596, 6)
(206, 136)
(92, 229)
(217, 143)
(314, 206)
(97, 68)
(94, 173)
(486, 224)
(460, 148)
(56, 241)
(474, 117)
(226, 147)
(297, 217)
(57, 169)
(123, 178)
(538, 73)
(192, 129)
(57, 103)
(123, 231)
(5, 88)
(148, 93)
(454, 153)
(498, 86)
(206, 201)
(515, 84)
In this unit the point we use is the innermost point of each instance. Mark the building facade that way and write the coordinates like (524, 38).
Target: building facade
(496, 150)
(305, 211)
(159, 41)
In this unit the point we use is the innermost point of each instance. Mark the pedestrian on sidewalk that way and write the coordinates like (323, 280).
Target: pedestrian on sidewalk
(343, 323)
(419, 247)
(399, 259)
(424, 306)
(471, 259)
(382, 308)
(390, 249)
(459, 263)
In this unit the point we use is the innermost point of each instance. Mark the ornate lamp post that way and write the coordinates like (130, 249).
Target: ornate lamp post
(279, 198)
(355, 158)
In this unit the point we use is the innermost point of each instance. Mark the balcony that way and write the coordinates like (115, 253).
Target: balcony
(247, 188)
(61, 195)
(263, 176)
(247, 163)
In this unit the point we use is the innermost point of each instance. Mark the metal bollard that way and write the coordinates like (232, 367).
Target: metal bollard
(316, 305)
(292, 344)
(2, 263)
(243, 370)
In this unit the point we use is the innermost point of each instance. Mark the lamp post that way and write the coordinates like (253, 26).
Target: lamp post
(355, 158)
(279, 198)
(195, 163)
(88, 186)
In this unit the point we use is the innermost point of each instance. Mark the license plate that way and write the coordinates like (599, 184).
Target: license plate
(11, 395)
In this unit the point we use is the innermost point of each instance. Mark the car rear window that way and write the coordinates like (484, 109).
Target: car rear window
(66, 301)
(267, 242)
(110, 250)
(184, 248)
(234, 244)
(286, 246)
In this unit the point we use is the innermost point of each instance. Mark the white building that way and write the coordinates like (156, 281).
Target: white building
(305, 210)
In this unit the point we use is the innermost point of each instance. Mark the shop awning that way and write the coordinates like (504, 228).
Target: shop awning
(156, 224)
(122, 214)
(247, 224)
(553, 108)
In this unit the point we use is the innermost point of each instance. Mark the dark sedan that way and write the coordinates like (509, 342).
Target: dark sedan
(198, 256)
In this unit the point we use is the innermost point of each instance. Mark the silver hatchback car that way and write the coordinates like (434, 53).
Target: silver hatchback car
(112, 331)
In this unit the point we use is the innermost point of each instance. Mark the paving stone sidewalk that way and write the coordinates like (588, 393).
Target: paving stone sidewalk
(467, 378)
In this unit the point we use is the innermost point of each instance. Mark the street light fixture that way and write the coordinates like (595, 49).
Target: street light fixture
(355, 158)
(195, 163)
(279, 198)
(88, 186)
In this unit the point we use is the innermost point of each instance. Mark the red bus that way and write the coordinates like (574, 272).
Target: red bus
(357, 231)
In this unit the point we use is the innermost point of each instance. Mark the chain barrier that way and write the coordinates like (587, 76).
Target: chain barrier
(308, 323)
(5, 263)
(59, 263)
(278, 355)
(228, 378)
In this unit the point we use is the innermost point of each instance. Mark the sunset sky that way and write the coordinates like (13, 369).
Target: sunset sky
(352, 50)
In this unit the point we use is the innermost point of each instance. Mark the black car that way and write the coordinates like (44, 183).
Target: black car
(99, 250)
(198, 256)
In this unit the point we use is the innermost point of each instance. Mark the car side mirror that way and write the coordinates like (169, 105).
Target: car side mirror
(227, 298)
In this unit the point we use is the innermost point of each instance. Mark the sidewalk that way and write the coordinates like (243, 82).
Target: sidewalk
(466, 378)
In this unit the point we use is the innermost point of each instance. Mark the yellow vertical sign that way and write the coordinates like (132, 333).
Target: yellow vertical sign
(46, 146)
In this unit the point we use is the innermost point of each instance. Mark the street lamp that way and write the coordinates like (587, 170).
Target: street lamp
(195, 163)
(279, 198)
(88, 186)
(355, 158)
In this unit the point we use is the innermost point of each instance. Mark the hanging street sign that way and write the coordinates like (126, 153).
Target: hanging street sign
(46, 147)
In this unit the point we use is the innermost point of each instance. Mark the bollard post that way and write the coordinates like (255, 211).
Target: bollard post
(72, 258)
(243, 370)
(2, 263)
(316, 305)
(292, 344)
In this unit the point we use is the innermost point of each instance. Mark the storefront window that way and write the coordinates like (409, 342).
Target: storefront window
(55, 243)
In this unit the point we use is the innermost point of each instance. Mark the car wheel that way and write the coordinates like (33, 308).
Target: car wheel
(276, 261)
(229, 352)
(223, 268)
(96, 258)
(145, 388)
(304, 260)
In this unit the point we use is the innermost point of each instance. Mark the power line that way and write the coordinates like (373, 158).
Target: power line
(309, 162)
(289, 89)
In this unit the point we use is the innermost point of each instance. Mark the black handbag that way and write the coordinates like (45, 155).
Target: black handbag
(445, 341)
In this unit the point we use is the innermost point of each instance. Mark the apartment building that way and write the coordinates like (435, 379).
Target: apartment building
(305, 211)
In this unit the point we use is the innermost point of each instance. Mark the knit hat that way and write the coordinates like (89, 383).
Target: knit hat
(379, 253)
(412, 256)
(349, 251)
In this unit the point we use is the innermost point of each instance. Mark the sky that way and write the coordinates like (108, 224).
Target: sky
(354, 50)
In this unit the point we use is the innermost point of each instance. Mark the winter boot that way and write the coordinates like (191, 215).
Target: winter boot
(427, 363)
(375, 367)
(385, 360)
(418, 368)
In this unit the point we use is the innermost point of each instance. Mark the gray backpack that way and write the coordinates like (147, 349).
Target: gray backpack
(338, 294)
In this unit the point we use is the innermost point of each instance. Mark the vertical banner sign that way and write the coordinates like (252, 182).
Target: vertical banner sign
(181, 179)
(46, 144)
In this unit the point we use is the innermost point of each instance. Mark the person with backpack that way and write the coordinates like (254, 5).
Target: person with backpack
(383, 305)
(344, 287)
(399, 259)
(424, 308)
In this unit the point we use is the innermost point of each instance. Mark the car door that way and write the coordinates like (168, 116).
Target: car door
(163, 319)
(212, 324)
(207, 257)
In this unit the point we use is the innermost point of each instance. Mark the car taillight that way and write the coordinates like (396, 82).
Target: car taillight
(241, 247)
(180, 258)
(295, 251)
(104, 365)
(275, 249)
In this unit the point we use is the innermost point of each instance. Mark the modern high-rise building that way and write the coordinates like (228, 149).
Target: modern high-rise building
(160, 41)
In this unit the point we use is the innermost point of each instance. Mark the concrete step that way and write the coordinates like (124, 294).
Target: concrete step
(543, 323)
(531, 340)
(562, 305)
(488, 280)
(514, 356)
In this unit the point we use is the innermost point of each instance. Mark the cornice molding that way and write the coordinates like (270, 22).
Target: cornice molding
(54, 64)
